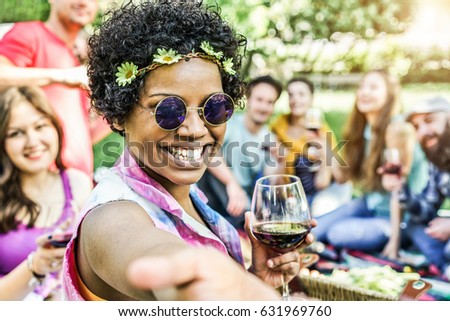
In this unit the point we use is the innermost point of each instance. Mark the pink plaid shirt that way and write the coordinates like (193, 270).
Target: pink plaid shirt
(127, 181)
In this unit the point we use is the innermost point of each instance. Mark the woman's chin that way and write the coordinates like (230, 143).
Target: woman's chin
(184, 179)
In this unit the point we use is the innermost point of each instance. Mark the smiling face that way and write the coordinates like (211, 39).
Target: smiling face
(372, 93)
(31, 141)
(430, 128)
(300, 98)
(78, 12)
(433, 131)
(175, 157)
(261, 103)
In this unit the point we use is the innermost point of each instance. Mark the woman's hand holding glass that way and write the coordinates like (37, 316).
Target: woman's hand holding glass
(47, 259)
(392, 170)
(279, 223)
(269, 265)
(51, 247)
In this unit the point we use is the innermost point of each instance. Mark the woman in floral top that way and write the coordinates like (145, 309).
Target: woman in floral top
(148, 62)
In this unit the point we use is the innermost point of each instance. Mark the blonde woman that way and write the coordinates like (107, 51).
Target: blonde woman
(364, 223)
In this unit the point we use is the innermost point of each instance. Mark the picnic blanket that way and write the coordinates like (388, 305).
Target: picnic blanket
(331, 259)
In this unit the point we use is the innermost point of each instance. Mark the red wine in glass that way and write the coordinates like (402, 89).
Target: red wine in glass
(313, 120)
(314, 129)
(281, 236)
(392, 163)
(280, 215)
(393, 169)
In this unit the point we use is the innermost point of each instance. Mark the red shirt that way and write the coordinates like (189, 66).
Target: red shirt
(31, 44)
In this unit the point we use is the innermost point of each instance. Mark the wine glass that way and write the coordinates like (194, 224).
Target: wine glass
(313, 123)
(280, 215)
(313, 119)
(392, 163)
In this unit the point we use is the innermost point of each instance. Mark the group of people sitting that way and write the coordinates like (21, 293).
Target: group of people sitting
(166, 76)
(353, 198)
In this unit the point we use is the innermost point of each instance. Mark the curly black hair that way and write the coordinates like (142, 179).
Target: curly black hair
(134, 32)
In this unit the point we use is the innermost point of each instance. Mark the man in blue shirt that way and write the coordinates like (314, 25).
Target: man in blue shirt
(229, 181)
(428, 231)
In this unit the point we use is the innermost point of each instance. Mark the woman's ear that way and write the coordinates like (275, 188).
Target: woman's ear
(118, 127)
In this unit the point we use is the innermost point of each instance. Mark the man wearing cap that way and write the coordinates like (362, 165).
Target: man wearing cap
(429, 232)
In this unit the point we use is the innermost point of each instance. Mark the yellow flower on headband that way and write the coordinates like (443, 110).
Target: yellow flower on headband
(166, 57)
(227, 65)
(127, 72)
(208, 49)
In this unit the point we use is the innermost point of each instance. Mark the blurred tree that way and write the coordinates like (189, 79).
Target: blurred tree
(26, 10)
(23, 10)
(276, 30)
(286, 37)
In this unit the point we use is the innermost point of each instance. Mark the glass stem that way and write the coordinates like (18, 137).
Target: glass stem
(285, 289)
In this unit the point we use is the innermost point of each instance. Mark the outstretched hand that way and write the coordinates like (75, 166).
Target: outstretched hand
(198, 274)
(270, 265)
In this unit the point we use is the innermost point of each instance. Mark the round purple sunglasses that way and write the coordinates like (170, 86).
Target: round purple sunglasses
(171, 111)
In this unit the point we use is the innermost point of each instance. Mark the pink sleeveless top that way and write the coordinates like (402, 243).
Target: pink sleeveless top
(16, 245)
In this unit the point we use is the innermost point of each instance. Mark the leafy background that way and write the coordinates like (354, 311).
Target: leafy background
(331, 41)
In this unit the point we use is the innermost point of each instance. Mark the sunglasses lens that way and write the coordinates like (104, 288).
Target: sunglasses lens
(170, 113)
(218, 109)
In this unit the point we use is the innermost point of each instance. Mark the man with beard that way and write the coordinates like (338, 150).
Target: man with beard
(429, 232)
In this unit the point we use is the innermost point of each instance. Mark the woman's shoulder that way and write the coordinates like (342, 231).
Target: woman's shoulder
(80, 183)
(116, 209)
(279, 123)
(78, 177)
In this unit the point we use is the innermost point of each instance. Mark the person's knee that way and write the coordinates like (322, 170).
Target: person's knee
(344, 235)
(354, 235)
(414, 230)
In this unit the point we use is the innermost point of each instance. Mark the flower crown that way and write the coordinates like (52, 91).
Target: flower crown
(128, 71)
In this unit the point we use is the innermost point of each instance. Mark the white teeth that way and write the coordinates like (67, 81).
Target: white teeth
(191, 154)
(34, 154)
(197, 153)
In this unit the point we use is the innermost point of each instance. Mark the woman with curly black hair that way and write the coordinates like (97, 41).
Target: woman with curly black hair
(165, 75)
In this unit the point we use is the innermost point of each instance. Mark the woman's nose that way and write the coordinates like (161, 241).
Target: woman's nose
(32, 138)
(193, 125)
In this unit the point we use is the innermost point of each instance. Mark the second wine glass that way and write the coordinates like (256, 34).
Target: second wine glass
(392, 163)
(280, 215)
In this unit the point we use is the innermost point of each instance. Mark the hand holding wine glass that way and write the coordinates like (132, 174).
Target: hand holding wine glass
(392, 170)
(313, 119)
(280, 221)
(392, 164)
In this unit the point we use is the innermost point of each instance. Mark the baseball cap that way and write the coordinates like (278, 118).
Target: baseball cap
(429, 105)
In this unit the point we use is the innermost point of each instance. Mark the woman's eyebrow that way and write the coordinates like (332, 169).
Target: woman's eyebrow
(36, 121)
(162, 94)
(175, 95)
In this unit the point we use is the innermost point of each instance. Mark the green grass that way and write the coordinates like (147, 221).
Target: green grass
(108, 150)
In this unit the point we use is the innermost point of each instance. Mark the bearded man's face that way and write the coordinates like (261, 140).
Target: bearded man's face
(433, 133)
